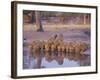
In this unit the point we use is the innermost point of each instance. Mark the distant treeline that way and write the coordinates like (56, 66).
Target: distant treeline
(47, 17)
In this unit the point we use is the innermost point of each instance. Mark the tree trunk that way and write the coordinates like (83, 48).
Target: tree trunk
(84, 19)
(38, 21)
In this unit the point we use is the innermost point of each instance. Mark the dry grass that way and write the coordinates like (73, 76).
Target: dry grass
(54, 27)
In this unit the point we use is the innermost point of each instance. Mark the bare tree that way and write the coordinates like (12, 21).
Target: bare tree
(38, 21)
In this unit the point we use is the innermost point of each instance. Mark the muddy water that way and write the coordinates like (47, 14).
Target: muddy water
(54, 60)
(42, 59)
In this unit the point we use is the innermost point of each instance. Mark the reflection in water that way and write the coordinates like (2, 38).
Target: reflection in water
(54, 59)
(56, 52)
